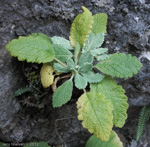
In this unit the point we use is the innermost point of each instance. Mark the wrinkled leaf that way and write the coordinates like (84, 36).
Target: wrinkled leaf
(99, 51)
(85, 67)
(85, 58)
(62, 94)
(62, 41)
(116, 94)
(95, 111)
(93, 78)
(80, 81)
(100, 23)
(32, 49)
(61, 53)
(81, 27)
(102, 57)
(43, 36)
(120, 65)
(93, 41)
(71, 63)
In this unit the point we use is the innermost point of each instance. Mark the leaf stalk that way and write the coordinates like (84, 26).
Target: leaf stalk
(63, 64)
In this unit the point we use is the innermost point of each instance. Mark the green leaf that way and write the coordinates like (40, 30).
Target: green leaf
(120, 65)
(93, 41)
(71, 63)
(62, 94)
(113, 141)
(95, 111)
(102, 57)
(98, 51)
(37, 144)
(100, 23)
(31, 48)
(85, 67)
(61, 53)
(81, 27)
(115, 93)
(43, 36)
(85, 57)
(93, 78)
(62, 41)
(60, 68)
(80, 81)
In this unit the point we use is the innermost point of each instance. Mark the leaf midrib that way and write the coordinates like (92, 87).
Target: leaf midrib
(96, 115)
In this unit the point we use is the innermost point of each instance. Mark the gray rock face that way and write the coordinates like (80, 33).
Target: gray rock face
(128, 31)
(10, 79)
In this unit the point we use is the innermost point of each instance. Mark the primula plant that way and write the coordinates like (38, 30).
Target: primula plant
(105, 104)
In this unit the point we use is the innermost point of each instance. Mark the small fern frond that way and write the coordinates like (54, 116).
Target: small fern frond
(22, 90)
(144, 116)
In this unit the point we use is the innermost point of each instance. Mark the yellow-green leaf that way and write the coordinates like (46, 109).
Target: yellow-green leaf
(113, 141)
(43, 36)
(100, 23)
(81, 27)
(115, 93)
(33, 48)
(47, 77)
(95, 111)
